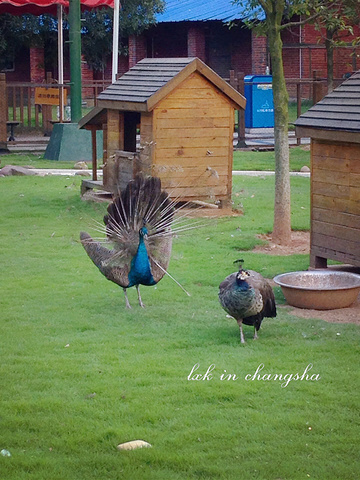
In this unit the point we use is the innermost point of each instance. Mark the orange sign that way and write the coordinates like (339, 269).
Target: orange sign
(48, 96)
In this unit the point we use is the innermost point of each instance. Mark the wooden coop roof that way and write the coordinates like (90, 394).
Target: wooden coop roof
(96, 117)
(143, 86)
(336, 117)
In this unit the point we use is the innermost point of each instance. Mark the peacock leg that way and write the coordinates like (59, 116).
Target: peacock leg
(255, 334)
(139, 296)
(126, 299)
(241, 331)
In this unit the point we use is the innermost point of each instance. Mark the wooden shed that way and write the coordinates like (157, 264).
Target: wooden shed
(333, 125)
(173, 118)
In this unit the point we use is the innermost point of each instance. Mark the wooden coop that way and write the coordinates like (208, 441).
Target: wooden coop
(333, 125)
(172, 118)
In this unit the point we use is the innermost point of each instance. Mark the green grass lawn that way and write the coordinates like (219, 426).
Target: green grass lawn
(34, 161)
(80, 373)
(265, 160)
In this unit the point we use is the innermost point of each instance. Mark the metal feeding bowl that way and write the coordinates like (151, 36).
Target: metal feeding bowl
(319, 290)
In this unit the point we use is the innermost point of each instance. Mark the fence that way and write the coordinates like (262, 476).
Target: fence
(21, 106)
(310, 90)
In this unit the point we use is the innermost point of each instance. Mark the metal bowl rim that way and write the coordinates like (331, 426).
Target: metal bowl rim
(279, 280)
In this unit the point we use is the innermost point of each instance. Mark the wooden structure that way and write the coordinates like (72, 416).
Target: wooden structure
(3, 113)
(334, 127)
(183, 113)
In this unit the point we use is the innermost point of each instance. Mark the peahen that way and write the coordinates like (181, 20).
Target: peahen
(138, 226)
(248, 297)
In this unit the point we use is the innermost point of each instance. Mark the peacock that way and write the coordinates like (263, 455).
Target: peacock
(248, 297)
(138, 228)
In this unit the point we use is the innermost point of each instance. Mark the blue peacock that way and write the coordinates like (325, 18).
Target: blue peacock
(248, 297)
(138, 227)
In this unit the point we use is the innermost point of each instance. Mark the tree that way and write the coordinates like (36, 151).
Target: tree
(274, 12)
(270, 17)
(97, 37)
(135, 17)
(334, 22)
(17, 32)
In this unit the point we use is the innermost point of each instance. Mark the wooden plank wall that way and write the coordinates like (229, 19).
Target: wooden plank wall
(193, 130)
(147, 144)
(335, 199)
(114, 141)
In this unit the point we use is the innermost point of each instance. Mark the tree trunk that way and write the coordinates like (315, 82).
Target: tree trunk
(329, 45)
(282, 213)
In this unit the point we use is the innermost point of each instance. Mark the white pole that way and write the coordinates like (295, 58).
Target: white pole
(115, 40)
(60, 61)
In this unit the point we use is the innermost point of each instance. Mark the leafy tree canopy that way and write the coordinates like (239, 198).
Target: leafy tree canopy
(135, 16)
(29, 30)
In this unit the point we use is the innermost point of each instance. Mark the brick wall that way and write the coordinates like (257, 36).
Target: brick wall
(123, 65)
(87, 76)
(37, 65)
(313, 57)
(137, 49)
(259, 54)
(196, 43)
(241, 57)
(167, 40)
(301, 63)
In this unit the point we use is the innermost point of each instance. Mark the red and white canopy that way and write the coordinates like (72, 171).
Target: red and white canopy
(38, 7)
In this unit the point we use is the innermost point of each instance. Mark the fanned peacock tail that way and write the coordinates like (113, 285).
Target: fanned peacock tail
(142, 203)
(138, 226)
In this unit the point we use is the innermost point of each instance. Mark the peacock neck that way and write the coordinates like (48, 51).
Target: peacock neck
(242, 285)
(140, 270)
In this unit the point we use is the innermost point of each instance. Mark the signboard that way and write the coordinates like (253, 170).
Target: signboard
(48, 96)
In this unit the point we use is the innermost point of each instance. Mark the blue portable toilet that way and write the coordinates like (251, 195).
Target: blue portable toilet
(259, 112)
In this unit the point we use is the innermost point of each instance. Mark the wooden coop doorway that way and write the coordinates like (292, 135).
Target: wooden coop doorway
(131, 127)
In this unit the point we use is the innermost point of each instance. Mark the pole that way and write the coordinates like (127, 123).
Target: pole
(115, 52)
(75, 59)
(3, 113)
(60, 62)
(241, 118)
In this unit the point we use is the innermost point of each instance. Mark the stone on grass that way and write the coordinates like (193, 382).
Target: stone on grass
(9, 170)
(133, 445)
(81, 166)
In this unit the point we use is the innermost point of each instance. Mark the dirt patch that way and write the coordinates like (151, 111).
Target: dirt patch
(300, 243)
(341, 315)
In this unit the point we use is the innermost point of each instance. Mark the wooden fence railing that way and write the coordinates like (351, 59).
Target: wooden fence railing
(299, 89)
(22, 108)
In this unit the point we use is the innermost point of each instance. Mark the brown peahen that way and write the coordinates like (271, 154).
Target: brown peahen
(138, 226)
(248, 297)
